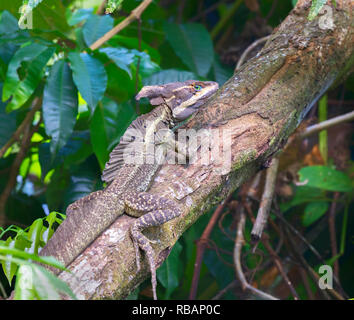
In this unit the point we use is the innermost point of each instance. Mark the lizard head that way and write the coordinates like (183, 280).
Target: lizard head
(183, 98)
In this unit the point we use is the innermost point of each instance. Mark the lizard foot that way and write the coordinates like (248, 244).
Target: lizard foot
(140, 241)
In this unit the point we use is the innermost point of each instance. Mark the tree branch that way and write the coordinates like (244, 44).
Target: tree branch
(261, 105)
(134, 15)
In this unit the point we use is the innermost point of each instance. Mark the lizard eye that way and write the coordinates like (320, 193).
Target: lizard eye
(197, 87)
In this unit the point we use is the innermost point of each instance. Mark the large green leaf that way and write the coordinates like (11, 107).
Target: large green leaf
(133, 43)
(76, 150)
(89, 76)
(95, 27)
(83, 180)
(60, 105)
(8, 30)
(79, 15)
(24, 73)
(192, 43)
(50, 15)
(169, 273)
(326, 178)
(106, 125)
(122, 57)
(8, 23)
(170, 75)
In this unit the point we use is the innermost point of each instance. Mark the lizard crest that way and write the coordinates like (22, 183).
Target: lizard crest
(175, 102)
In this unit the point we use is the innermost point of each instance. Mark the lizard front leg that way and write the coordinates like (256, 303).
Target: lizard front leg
(153, 210)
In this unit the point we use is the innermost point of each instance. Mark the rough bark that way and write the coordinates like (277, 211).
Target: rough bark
(262, 104)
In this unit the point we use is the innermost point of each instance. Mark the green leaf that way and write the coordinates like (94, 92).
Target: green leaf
(50, 15)
(24, 73)
(7, 122)
(315, 9)
(322, 135)
(20, 255)
(89, 76)
(126, 114)
(192, 43)
(122, 57)
(34, 234)
(133, 43)
(103, 127)
(33, 282)
(95, 27)
(60, 105)
(9, 268)
(169, 75)
(168, 273)
(313, 212)
(8, 30)
(51, 219)
(8, 23)
(326, 178)
(83, 180)
(302, 195)
(76, 150)
(80, 15)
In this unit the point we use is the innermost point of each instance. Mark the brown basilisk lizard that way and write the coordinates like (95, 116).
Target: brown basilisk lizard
(128, 173)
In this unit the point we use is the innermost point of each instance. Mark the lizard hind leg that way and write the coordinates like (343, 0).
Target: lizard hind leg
(159, 210)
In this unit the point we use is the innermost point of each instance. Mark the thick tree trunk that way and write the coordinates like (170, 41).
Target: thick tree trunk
(261, 105)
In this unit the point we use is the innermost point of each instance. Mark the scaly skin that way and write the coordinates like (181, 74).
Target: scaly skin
(89, 216)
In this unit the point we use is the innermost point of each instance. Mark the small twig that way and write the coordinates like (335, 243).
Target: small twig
(304, 240)
(332, 232)
(272, 9)
(267, 198)
(134, 15)
(220, 294)
(201, 245)
(280, 268)
(327, 124)
(206, 11)
(300, 259)
(37, 103)
(249, 49)
(313, 273)
(306, 283)
(237, 261)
